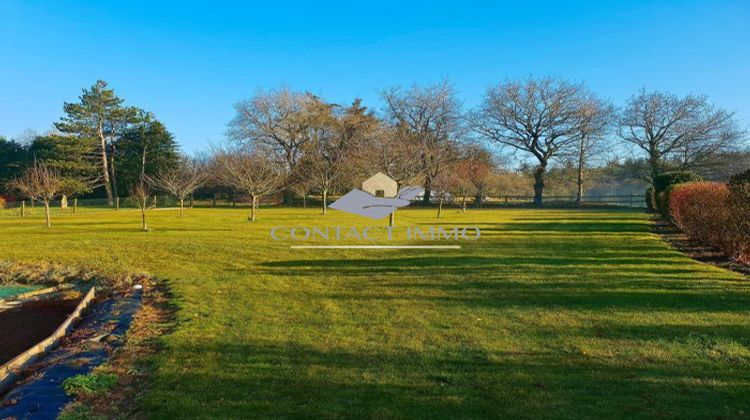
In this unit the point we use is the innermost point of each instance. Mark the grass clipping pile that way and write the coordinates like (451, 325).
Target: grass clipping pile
(127, 371)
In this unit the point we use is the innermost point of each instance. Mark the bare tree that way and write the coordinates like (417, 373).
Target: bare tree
(596, 120)
(253, 173)
(474, 169)
(140, 194)
(537, 116)
(302, 186)
(182, 181)
(337, 133)
(394, 153)
(677, 133)
(276, 121)
(445, 184)
(41, 183)
(431, 115)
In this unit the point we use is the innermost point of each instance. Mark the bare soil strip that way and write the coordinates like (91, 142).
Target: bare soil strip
(30, 323)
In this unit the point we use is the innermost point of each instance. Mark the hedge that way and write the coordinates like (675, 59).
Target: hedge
(657, 196)
(714, 214)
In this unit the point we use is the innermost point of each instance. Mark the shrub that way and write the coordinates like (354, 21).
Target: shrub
(739, 210)
(2, 203)
(714, 214)
(668, 179)
(700, 210)
(663, 185)
(740, 178)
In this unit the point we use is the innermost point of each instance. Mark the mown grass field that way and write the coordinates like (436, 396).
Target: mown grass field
(552, 313)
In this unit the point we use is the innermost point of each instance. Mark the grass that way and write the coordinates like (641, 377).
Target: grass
(91, 384)
(552, 313)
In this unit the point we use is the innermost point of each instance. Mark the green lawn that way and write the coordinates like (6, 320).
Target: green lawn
(552, 313)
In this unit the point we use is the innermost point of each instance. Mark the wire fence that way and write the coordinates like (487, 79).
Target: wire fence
(164, 201)
(632, 200)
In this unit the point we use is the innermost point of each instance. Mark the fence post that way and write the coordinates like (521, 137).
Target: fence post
(117, 203)
(23, 208)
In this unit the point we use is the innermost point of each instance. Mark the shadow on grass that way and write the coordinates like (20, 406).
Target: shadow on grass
(285, 380)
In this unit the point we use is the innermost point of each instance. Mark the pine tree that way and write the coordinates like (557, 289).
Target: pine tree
(145, 150)
(100, 117)
(73, 158)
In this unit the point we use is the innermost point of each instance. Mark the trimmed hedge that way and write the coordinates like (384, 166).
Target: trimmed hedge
(657, 196)
(714, 214)
(739, 205)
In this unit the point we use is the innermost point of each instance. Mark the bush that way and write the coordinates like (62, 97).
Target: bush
(2, 203)
(664, 181)
(700, 210)
(663, 185)
(714, 214)
(740, 178)
(739, 208)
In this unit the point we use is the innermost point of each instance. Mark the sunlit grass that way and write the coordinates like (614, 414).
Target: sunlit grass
(552, 313)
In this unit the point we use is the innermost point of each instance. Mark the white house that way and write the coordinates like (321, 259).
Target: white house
(380, 185)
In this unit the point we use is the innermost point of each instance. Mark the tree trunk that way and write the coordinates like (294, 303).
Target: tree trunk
(23, 208)
(539, 184)
(654, 162)
(46, 213)
(304, 201)
(115, 192)
(105, 169)
(427, 192)
(182, 207)
(581, 162)
(144, 226)
(252, 209)
(440, 207)
(143, 163)
(463, 204)
(75, 205)
(325, 201)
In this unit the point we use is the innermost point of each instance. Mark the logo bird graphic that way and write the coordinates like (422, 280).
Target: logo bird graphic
(365, 204)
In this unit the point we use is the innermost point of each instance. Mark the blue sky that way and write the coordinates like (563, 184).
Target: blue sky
(189, 63)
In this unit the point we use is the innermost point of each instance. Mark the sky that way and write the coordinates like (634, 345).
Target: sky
(189, 62)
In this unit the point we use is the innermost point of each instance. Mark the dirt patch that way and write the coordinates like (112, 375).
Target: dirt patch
(30, 323)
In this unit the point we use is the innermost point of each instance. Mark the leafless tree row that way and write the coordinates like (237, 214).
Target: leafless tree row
(297, 143)
(422, 133)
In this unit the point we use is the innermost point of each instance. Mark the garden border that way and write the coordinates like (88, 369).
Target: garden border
(9, 371)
